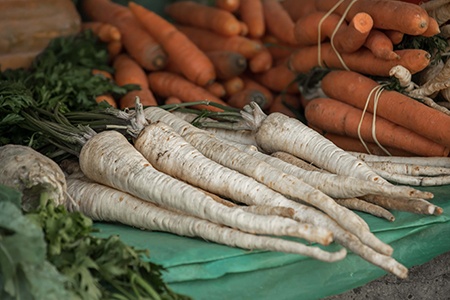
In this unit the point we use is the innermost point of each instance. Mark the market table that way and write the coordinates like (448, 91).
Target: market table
(206, 270)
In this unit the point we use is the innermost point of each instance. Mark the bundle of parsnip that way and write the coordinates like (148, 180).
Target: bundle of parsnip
(179, 178)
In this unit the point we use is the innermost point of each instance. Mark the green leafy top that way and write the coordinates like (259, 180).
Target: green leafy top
(61, 79)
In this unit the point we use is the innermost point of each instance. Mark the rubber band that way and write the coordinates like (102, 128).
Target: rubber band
(319, 36)
(377, 90)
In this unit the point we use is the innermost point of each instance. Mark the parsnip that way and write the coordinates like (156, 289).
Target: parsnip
(170, 153)
(274, 178)
(102, 203)
(109, 158)
(32, 173)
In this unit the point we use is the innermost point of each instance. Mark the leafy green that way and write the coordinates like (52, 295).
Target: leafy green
(98, 268)
(60, 79)
(25, 272)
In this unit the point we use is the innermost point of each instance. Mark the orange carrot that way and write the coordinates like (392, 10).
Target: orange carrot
(380, 45)
(278, 78)
(217, 89)
(104, 31)
(194, 64)
(337, 117)
(227, 64)
(233, 85)
(245, 97)
(432, 29)
(138, 43)
(298, 9)
(103, 73)
(354, 88)
(278, 22)
(244, 29)
(166, 84)
(363, 61)
(306, 28)
(172, 100)
(352, 37)
(114, 48)
(204, 16)
(128, 71)
(146, 98)
(251, 13)
(396, 15)
(210, 41)
(250, 83)
(395, 36)
(277, 49)
(346, 37)
(107, 98)
(228, 5)
(355, 145)
(286, 104)
(261, 62)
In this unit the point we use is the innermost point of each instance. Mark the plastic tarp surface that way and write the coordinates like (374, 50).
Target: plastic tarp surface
(206, 270)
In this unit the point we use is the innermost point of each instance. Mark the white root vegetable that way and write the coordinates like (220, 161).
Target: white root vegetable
(336, 186)
(278, 132)
(108, 158)
(102, 203)
(420, 206)
(168, 152)
(409, 169)
(404, 77)
(367, 207)
(32, 173)
(443, 162)
(274, 178)
(414, 180)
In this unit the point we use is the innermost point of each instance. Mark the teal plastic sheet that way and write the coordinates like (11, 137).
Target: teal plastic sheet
(206, 270)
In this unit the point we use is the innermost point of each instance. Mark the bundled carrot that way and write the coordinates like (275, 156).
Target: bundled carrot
(337, 117)
(194, 64)
(137, 42)
(204, 16)
(252, 14)
(128, 71)
(210, 41)
(227, 64)
(354, 89)
(394, 15)
(381, 45)
(322, 26)
(362, 60)
(166, 84)
(278, 21)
